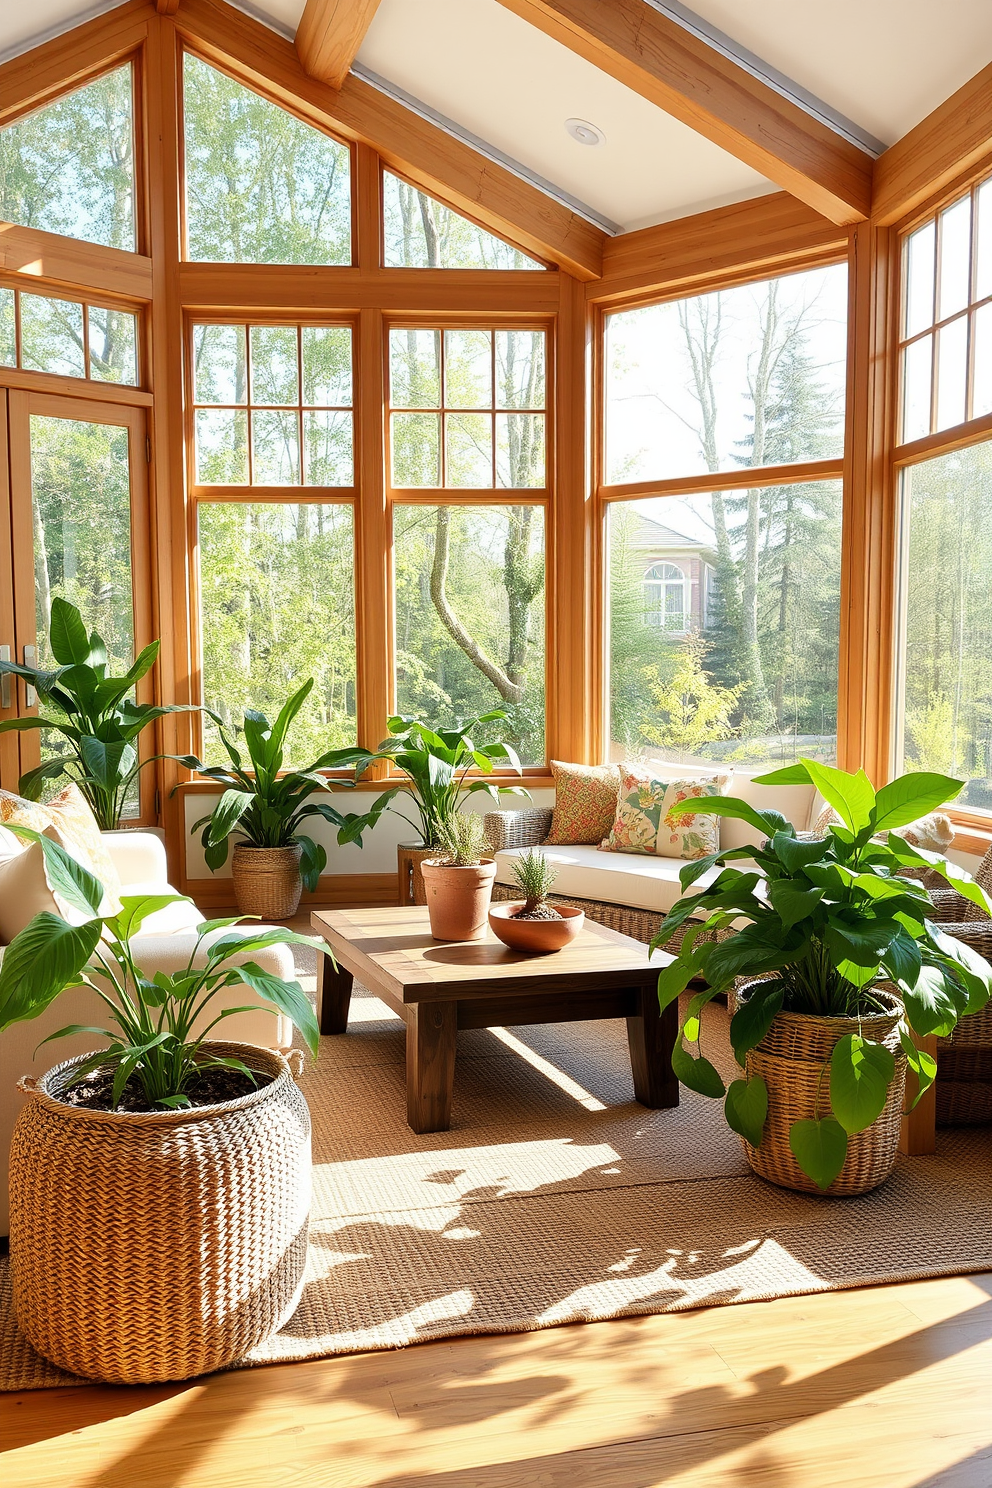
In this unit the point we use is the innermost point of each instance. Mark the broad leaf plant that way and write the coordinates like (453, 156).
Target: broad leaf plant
(829, 922)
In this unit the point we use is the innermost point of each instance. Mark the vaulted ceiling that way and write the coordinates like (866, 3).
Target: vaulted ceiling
(868, 69)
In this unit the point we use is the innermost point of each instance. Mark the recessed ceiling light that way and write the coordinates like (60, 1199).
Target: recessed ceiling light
(584, 132)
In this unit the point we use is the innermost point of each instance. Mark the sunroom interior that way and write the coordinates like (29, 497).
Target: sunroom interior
(603, 391)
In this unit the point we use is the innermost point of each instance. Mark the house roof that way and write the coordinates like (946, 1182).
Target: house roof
(654, 536)
(869, 69)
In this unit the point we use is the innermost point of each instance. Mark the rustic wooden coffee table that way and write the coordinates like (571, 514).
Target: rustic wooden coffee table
(438, 987)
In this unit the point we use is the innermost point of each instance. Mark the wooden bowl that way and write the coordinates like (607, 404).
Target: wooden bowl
(539, 937)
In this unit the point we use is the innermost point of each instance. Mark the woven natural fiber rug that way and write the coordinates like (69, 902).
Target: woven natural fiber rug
(556, 1198)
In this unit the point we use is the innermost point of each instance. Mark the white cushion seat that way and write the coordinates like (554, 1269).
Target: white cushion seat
(639, 880)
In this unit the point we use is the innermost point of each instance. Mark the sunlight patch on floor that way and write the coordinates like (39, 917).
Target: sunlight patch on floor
(550, 1071)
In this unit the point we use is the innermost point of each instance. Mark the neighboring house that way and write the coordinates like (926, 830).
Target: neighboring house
(678, 574)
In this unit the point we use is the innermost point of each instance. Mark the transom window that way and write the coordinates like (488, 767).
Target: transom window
(42, 333)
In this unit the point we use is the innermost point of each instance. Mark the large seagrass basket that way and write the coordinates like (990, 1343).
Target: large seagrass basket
(267, 880)
(790, 1059)
(164, 1245)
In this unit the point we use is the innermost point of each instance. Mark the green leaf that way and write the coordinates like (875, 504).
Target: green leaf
(67, 634)
(136, 908)
(911, 796)
(143, 662)
(795, 855)
(851, 796)
(796, 774)
(792, 903)
(40, 962)
(226, 814)
(313, 861)
(860, 1075)
(931, 1006)
(697, 1074)
(902, 960)
(863, 941)
(957, 877)
(287, 997)
(753, 1018)
(673, 980)
(64, 876)
(751, 950)
(766, 822)
(746, 1108)
(923, 1065)
(108, 764)
(70, 1030)
(820, 1149)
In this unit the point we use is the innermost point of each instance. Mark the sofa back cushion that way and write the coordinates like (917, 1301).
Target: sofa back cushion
(793, 801)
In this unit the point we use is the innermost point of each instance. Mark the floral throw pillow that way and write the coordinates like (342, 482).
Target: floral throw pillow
(585, 803)
(68, 820)
(643, 824)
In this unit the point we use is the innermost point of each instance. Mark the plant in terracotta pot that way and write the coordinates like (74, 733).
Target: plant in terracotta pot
(459, 881)
(263, 807)
(160, 1187)
(532, 924)
(838, 967)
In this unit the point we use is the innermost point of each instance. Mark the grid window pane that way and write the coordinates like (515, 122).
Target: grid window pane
(955, 258)
(753, 375)
(468, 369)
(921, 250)
(326, 366)
(416, 449)
(489, 562)
(220, 364)
(946, 717)
(8, 328)
(274, 367)
(982, 385)
(952, 372)
(724, 625)
(113, 345)
(916, 376)
(327, 448)
(415, 368)
(277, 606)
(519, 369)
(221, 447)
(469, 449)
(275, 447)
(421, 233)
(520, 450)
(983, 265)
(52, 336)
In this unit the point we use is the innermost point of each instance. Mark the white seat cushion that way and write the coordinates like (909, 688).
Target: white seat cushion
(632, 879)
(173, 919)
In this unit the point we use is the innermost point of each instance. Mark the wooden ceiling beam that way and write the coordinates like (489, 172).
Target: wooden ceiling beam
(943, 146)
(680, 73)
(329, 35)
(425, 154)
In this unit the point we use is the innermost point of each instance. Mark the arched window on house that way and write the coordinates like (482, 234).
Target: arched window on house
(665, 605)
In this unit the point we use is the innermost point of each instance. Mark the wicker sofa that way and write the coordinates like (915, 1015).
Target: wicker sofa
(964, 1061)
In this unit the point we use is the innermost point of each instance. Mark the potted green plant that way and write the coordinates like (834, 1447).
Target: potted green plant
(97, 718)
(532, 924)
(837, 968)
(436, 766)
(160, 1186)
(263, 807)
(459, 880)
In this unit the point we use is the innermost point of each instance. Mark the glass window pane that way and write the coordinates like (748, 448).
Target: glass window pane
(469, 449)
(275, 448)
(952, 372)
(327, 366)
(983, 267)
(52, 336)
(421, 233)
(220, 367)
(221, 447)
(69, 167)
(753, 375)
(277, 606)
(494, 592)
(982, 387)
(81, 498)
(415, 368)
(946, 724)
(289, 198)
(955, 257)
(738, 661)
(8, 329)
(416, 449)
(327, 448)
(519, 369)
(916, 374)
(520, 450)
(920, 263)
(113, 344)
(274, 369)
(468, 369)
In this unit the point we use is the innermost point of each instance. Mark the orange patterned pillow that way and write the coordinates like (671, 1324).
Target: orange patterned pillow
(585, 803)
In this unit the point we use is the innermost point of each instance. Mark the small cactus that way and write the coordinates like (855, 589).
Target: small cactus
(535, 875)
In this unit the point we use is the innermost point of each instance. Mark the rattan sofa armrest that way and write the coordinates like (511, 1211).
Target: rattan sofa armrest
(517, 828)
(950, 907)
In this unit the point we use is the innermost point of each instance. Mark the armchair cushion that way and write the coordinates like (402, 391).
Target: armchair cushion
(68, 820)
(138, 857)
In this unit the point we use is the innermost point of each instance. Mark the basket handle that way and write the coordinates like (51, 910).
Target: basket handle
(28, 1085)
(296, 1061)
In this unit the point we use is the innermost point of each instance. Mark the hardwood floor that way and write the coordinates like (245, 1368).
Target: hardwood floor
(882, 1388)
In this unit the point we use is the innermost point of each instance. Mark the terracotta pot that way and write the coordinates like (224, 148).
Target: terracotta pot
(539, 937)
(458, 898)
(267, 880)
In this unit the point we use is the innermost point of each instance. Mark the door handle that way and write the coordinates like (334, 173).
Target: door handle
(6, 700)
(30, 660)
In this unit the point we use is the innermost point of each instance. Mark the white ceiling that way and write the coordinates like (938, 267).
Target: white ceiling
(883, 63)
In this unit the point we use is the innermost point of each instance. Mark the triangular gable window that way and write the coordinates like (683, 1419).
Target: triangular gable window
(68, 168)
(421, 233)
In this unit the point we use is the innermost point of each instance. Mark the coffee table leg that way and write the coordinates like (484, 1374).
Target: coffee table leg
(431, 1029)
(651, 1036)
(333, 995)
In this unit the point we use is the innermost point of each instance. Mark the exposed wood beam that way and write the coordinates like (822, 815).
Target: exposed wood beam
(167, 7)
(299, 287)
(944, 145)
(470, 183)
(329, 35)
(680, 73)
(35, 255)
(771, 233)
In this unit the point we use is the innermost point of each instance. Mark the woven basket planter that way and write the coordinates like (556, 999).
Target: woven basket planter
(790, 1059)
(267, 880)
(159, 1246)
(964, 1067)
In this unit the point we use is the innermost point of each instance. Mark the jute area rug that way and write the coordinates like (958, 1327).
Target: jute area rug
(556, 1198)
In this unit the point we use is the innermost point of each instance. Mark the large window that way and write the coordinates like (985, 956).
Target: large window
(69, 167)
(467, 408)
(749, 376)
(421, 233)
(43, 334)
(946, 345)
(261, 186)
